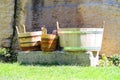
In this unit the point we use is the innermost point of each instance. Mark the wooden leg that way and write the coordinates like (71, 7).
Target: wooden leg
(94, 57)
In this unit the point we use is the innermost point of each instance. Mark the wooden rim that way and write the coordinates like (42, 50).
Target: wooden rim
(27, 34)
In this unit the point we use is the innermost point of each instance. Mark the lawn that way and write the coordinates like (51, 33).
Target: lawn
(16, 71)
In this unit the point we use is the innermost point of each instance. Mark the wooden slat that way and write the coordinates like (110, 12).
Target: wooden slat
(81, 48)
(29, 44)
(29, 39)
(27, 34)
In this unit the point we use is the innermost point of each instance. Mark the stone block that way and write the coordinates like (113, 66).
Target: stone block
(58, 57)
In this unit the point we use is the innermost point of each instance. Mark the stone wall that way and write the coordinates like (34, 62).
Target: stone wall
(6, 22)
(75, 13)
(65, 11)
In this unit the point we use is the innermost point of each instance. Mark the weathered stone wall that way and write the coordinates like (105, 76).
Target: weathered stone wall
(76, 13)
(6, 22)
(65, 11)
(94, 14)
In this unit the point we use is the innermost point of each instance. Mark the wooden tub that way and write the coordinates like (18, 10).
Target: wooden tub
(79, 39)
(29, 41)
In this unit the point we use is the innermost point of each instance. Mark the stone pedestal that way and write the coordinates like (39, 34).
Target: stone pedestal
(57, 57)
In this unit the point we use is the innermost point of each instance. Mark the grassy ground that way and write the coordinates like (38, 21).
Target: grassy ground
(28, 72)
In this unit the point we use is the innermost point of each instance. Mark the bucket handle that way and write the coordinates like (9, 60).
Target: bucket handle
(24, 29)
(58, 27)
(17, 30)
(44, 30)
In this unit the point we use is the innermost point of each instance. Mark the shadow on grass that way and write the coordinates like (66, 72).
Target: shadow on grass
(52, 64)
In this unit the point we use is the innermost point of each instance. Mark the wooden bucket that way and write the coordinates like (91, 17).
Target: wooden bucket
(48, 42)
(30, 41)
(77, 39)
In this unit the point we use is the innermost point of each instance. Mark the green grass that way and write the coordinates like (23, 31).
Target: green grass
(28, 72)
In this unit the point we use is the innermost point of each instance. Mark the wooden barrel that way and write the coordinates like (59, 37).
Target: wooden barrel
(48, 42)
(30, 41)
(77, 39)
